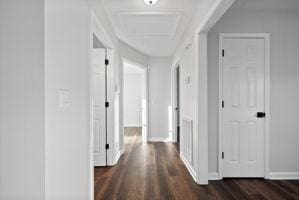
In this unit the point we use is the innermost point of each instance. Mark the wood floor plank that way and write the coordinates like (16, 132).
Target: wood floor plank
(154, 171)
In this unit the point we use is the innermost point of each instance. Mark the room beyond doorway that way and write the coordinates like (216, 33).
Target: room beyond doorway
(135, 97)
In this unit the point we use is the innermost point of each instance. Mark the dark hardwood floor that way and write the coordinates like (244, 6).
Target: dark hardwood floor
(155, 171)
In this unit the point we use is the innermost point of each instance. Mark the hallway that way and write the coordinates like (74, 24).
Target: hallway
(155, 171)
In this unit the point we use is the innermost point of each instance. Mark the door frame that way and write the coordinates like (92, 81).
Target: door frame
(174, 100)
(266, 37)
(97, 29)
(145, 94)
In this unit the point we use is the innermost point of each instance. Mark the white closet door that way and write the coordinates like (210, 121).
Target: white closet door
(243, 95)
(112, 134)
(99, 99)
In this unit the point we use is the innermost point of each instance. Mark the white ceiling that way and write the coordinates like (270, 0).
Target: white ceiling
(154, 30)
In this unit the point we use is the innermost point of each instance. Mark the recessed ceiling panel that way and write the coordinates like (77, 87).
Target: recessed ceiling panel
(149, 24)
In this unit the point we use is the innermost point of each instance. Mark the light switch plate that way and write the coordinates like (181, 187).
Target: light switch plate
(64, 98)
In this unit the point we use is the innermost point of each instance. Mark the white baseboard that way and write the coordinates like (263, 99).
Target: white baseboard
(117, 157)
(159, 140)
(214, 176)
(189, 167)
(284, 176)
(272, 176)
(132, 125)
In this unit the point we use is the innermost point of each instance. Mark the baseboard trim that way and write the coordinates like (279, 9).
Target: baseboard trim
(214, 176)
(132, 125)
(273, 176)
(284, 176)
(189, 167)
(159, 140)
(117, 157)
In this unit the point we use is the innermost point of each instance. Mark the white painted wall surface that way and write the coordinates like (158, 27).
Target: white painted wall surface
(284, 126)
(22, 139)
(132, 99)
(159, 98)
(132, 54)
(67, 28)
(186, 53)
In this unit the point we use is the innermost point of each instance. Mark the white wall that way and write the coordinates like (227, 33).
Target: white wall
(187, 54)
(132, 54)
(159, 98)
(284, 126)
(67, 28)
(22, 139)
(34, 66)
(132, 99)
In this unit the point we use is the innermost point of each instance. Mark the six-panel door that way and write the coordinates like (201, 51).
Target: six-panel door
(243, 96)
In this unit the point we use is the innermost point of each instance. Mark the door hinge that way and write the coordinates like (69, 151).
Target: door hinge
(106, 62)
(222, 155)
(222, 52)
(222, 104)
(106, 104)
(107, 146)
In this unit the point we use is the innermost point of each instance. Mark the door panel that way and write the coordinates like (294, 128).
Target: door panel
(243, 94)
(99, 98)
(110, 92)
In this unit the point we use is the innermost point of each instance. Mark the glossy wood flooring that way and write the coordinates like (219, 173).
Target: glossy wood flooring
(155, 171)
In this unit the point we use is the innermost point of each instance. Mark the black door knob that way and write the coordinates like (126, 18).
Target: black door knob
(261, 115)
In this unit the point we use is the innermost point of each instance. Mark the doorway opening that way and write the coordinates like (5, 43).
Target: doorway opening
(134, 102)
(102, 98)
(177, 108)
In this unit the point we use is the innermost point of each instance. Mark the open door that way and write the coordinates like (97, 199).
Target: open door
(109, 110)
(99, 107)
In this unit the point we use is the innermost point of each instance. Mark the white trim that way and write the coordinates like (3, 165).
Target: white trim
(159, 139)
(117, 157)
(202, 108)
(284, 175)
(266, 37)
(272, 176)
(189, 167)
(99, 30)
(214, 176)
(133, 125)
(214, 15)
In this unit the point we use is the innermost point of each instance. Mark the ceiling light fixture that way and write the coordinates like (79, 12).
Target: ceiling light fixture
(150, 2)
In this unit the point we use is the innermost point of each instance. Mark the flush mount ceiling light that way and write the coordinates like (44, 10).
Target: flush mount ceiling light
(150, 2)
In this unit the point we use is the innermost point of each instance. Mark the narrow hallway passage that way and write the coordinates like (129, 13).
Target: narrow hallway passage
(155, 171)
(145, 171)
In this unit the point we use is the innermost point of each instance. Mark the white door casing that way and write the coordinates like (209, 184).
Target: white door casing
(99, 98)
(144, 105)
(243, 92)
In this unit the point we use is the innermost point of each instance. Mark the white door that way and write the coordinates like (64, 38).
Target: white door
(243, 96)
(99, 99)
(110, 92)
